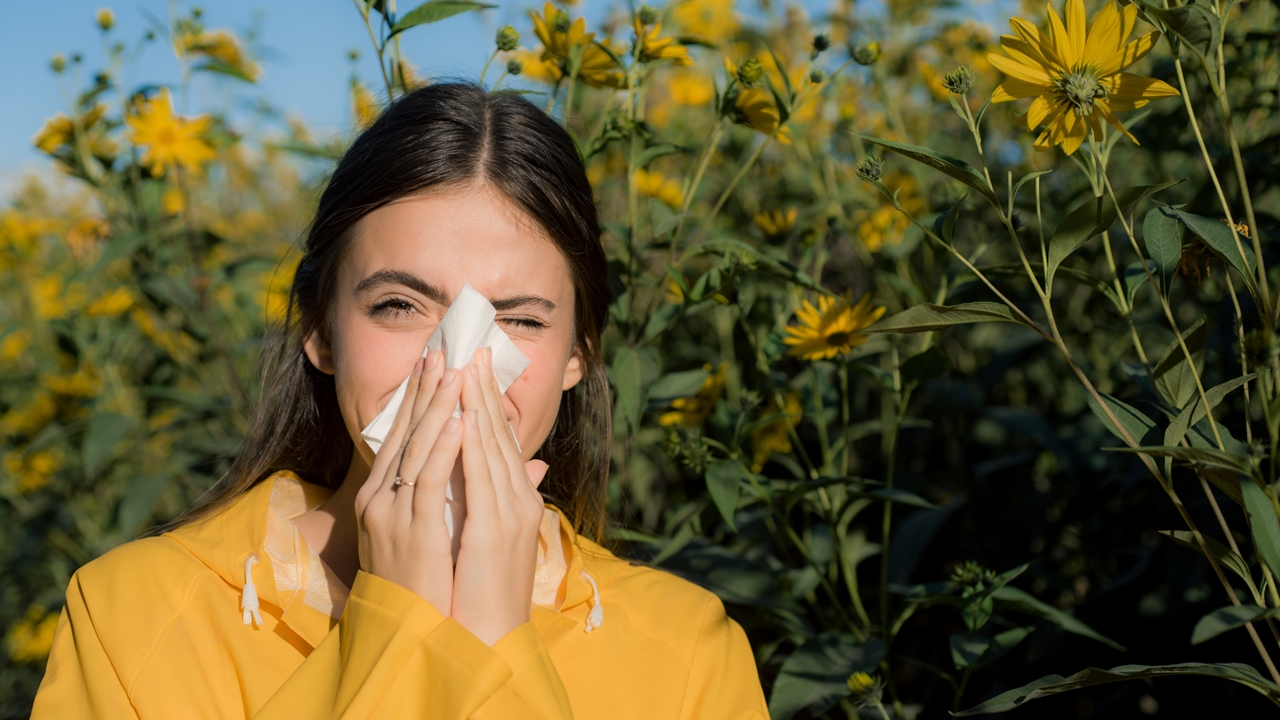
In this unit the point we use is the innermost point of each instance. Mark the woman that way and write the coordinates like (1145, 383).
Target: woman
(318, 578)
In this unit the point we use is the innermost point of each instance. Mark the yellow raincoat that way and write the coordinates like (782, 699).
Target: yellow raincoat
(154, 629)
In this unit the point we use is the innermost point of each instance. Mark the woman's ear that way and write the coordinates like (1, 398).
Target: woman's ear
(318, 352)
(572, 369)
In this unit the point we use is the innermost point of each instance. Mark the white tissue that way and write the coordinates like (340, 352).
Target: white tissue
(466, 327)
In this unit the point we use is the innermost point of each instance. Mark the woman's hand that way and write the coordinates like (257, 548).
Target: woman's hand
(402, 534)
(493, 582)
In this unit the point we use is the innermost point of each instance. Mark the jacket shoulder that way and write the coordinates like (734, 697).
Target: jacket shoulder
(141, 575)
(668, 607)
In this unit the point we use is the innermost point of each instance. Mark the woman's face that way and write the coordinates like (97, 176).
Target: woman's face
(405, 264)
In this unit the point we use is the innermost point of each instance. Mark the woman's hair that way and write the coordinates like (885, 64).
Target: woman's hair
(437, 138)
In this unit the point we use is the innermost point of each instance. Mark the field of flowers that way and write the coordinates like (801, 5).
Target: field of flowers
(947, 358)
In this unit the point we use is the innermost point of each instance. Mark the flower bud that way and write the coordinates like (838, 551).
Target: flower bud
(871, 168)
(816, 76)
(960, 80)
(514, 67)
(867, 690)
(820, 43)
(560, 23)
(648, 15)
(58, 63)
(508, 38)
(866, 53)
(750, 72)
(105, 18)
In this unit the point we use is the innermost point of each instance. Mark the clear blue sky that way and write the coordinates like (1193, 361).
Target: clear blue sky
(302, 46)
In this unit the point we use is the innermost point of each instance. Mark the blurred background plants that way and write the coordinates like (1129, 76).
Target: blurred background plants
(875, 339)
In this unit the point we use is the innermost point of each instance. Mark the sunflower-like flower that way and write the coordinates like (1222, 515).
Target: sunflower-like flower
(692, 411)
(221, 50)
(657, 185)
(1074, 75)
(60, 130)
(754, 107)
(560, 37)
(774, 437)
(833, 328)
(775, 223)
(169, 139)
(654, 48)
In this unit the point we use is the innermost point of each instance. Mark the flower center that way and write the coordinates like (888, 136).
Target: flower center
(839, 339)
(1080, 87)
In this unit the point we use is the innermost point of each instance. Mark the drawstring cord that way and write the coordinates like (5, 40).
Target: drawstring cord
(249, 603)
(595, 618)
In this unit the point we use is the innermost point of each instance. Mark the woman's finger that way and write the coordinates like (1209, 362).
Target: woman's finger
(481, 500)
(428, 494)
(421, 445)
(387, 458)
(503, 433)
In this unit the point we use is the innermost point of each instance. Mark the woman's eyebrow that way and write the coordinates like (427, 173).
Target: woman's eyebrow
(435, 294)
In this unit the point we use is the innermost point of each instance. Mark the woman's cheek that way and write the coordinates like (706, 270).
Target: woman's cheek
(536, 397)
(371, 364)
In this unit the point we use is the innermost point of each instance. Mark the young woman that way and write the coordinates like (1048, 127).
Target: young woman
(318, 579)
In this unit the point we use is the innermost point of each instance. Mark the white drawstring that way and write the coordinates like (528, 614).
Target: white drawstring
(249, 603)
(595, 618)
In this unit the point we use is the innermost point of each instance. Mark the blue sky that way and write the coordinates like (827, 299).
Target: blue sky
(302, 47)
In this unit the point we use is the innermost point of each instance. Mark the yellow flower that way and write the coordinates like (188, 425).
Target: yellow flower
(755, 108)
(273, 293)
(547, 71)
(179, 345)
(30, 639)
(29, 419)
(1075, 75)
(832, 328)
(657, 185)
(60, 131)
(709, 20)
(51, 300)
(654, 48)
(170, 140)
(692, 411)
(560, 37)
(111, 304)
(364, 106)
(83, 383)
(31, 471)
(885, 225)
(775, 437)
(673, 295)
(172, 202)
(775, 223)
(690, 88)
(220, 47)
(105, 18)
(14, 344)
(86, 234)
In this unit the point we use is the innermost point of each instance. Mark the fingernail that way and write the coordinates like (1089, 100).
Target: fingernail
(451, 425)
(475, 371)
(432, 358)
(417, 366)
(449, 375)
(473, 417)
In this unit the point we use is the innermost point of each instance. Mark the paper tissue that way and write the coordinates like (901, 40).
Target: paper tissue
(467, 326)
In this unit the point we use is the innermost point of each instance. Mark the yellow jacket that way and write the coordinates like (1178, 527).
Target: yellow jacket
(153, 629)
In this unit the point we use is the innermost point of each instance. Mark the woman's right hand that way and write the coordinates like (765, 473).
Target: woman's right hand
(402, 533)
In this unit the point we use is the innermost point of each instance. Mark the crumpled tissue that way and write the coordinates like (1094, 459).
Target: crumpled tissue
(467, 326)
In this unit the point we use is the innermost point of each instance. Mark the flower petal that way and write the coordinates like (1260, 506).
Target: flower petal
(1101, 109)
(1132, 53)
(1018, 70)
(1104, 36)
(1128, 18)
(1040, 109)
(1128, 86)
(1033, 37)
(1060, 39)
(1025, 53)
(1075, 27)
(1075, 129)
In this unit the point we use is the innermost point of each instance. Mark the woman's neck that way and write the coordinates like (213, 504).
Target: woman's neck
(330, 529)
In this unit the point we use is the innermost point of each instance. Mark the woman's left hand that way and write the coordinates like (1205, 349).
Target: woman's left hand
(493, 580)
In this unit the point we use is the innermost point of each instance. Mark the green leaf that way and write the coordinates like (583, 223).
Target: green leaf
(1220, 238)
(778, 268)
(724, 484)
(1133, 420)
(1195, 410)
(928, 365)
(1173, 374)
(955, 167)
(654, 152)
(1162, 234)
(1026, 179)
(1228, 618)
(967, 649)
(816, 675)
(625, 374)
(1195, 25)
(1002, 643)
(677, 384)
(105, 431)
(929, 317)
(1054, 684)
(139, 500)
(945, 225)
(1065, 273)
(1204, 457)
(1225, 556)
(1022, 601)
(1263, 523)
(1090, 218)
(435, 11)
(1134, 277)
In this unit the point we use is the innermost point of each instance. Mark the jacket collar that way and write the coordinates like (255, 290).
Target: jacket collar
(223, 542)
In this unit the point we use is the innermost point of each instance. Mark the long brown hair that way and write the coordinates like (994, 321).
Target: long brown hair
(438, 137)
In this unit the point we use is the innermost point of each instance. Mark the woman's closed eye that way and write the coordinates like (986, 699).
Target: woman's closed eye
(393, 308)
(523, 322)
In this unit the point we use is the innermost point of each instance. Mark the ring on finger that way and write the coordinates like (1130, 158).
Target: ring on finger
(401, 481)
